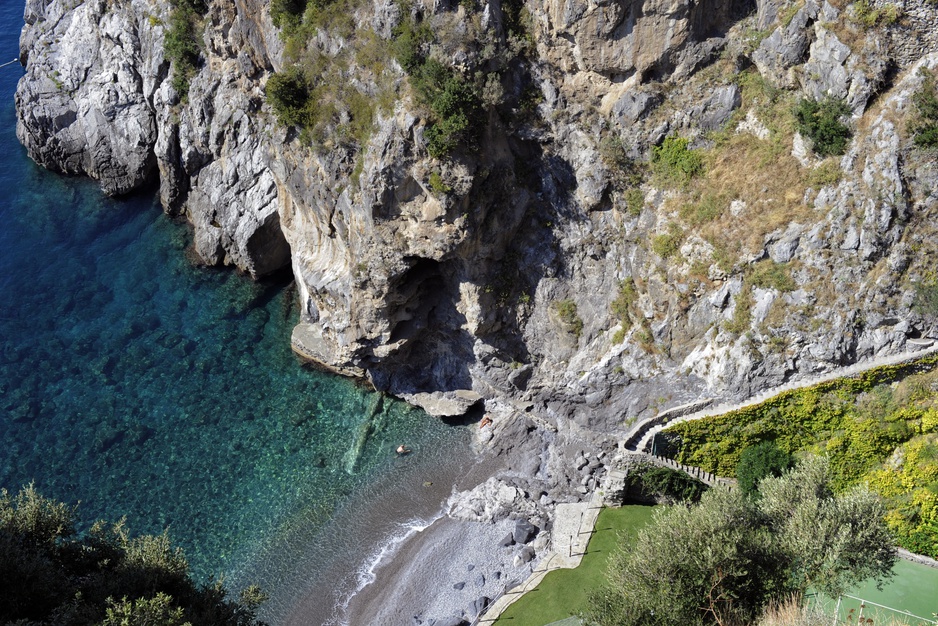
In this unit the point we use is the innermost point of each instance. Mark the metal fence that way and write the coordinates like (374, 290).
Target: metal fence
(859, 612)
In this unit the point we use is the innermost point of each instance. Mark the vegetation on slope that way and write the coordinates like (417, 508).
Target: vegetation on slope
(726, 559)
(334, 93)
(49, 574)
(925, 125)
(873, 431)
(821, 121)
(182, 42)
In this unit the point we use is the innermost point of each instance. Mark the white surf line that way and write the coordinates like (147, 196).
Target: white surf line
(844, 372)
(366, 573)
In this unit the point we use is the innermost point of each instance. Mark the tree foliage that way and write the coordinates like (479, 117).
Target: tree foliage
(869, 426)
(287, 13)
(821, 121)
(925, 99)
(759, 461)
(288, 95)
(664, 483)
(724, 560)
(453, 103)
(49, 574)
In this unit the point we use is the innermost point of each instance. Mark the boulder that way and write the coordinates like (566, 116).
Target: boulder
(479, 605)
(524, 531)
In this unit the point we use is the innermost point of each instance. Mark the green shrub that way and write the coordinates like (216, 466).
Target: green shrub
(625, 299)
(667, 244)
(437, 184)
(826, 174)
(926, 297)
(705, 210)
(925, 99)
(664, 483)
(820, 120)
(771, 275)
(453, 101)
(409, 43)
(865, 14)
(742, 312)
(182, 43)
(674, 162)
(621, 308)
(287, 12)
(567, 311)
(758, 461)
(634, 201)
(289, 96)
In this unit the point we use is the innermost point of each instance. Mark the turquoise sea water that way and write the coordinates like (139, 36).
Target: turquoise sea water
(143, 386)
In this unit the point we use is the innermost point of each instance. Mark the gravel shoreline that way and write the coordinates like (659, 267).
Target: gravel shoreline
(445, 574)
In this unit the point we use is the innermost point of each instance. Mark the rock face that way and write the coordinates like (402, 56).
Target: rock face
(450, 294)
(86, 102)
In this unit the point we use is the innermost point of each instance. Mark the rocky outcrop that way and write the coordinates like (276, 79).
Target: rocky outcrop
(86, 103)
(448, 294)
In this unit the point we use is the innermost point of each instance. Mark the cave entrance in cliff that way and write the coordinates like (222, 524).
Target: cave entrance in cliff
(420, 291)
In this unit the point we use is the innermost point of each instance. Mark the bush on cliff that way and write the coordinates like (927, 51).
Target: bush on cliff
(820, 120)
(925, 99)
(452, 100)
(724, 560)
(673, 162)
(182, 42)
(287, 13)
(50, 574)
(288, 95)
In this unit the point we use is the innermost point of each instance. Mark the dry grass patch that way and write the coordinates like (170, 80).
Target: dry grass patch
(770, 183)
(760, 173)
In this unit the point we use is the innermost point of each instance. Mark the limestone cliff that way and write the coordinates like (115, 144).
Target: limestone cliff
(548, 265)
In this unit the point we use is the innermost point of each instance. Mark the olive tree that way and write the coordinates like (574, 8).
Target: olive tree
(723, 560)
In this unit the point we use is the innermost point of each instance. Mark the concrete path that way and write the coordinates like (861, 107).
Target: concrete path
(573, 527)
(640, 435)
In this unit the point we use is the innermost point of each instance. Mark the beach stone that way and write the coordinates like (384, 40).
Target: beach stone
(470, 567)
(459, 586)
(479, 605)
(480, 580)
(524, 531)
(508, 540)
(526, 554)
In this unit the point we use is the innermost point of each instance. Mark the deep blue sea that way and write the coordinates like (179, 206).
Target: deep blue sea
(145, 387)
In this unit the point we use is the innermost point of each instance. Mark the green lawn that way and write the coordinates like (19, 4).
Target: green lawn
(913, 589)
(563, 592)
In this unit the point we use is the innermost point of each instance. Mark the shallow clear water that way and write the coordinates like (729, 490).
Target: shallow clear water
(146, 387)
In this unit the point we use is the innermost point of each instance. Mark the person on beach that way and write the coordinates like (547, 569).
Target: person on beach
(402, 450)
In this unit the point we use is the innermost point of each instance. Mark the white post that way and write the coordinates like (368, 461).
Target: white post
(836, 611)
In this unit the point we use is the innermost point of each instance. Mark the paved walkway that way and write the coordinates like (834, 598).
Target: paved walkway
(573, 527)
(640, 435)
